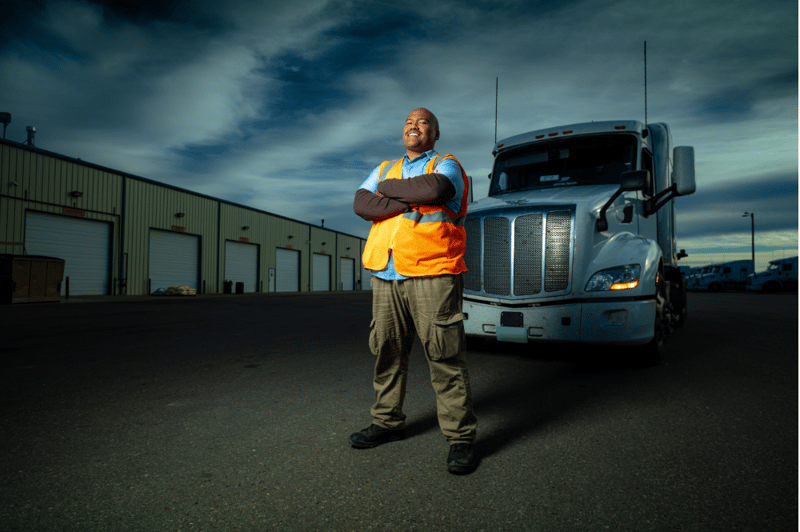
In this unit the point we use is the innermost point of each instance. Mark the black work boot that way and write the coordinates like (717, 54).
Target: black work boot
(461, 459)
(373, 436)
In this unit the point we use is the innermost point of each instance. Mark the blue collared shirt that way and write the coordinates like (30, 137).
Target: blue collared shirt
(447, 167)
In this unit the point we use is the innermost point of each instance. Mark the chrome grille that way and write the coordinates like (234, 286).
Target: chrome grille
(519, 255)
(556, 255)
(497, 256)
(528, 254)
(472, 256)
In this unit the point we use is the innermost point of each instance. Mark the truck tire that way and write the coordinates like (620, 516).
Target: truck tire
(677, 296)
(653, 352)
(682, 315)
(715, 287)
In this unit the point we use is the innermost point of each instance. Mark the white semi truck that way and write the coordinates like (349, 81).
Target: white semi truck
(694, 278)
(781, 276)
(725, 275)
(576, 239)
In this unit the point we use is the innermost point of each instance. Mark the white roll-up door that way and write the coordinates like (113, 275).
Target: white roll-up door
(174, 260)
(348, 270)
(366, 275)
(85, 246)
(241, 265)
(287, 271)
(322, 272)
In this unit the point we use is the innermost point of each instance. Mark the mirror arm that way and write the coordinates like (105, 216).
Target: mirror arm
(652, 205)
(602, 222)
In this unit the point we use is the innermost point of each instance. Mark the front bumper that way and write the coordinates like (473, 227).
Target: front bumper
(629, 322)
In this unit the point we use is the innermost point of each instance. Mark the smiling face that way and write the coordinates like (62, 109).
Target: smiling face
(420, 132)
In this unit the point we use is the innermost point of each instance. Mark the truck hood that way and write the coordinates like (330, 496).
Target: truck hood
(590, 198)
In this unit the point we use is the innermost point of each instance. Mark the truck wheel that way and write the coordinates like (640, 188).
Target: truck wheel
(653, 351)
(681, 321)
(715, 287)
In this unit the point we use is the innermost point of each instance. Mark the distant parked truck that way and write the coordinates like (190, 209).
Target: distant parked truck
(781, 276)
(694, 279)
(726, 275)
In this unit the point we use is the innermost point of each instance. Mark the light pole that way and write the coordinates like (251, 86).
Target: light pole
(752, 235)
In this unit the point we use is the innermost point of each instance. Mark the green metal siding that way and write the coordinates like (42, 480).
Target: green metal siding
(151, 206)
(44, 184)
(45, 181)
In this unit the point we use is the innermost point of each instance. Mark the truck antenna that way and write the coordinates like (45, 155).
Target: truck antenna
(496, 89)
(645, 83)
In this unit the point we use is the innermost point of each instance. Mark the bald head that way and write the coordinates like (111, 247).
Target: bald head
(420, 132)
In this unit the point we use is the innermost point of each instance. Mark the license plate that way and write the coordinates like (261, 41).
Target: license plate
(511, 319)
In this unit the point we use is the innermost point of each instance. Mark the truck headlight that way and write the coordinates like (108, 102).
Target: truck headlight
(619, 278)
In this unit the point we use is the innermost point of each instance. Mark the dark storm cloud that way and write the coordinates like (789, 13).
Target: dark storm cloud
(287, 105)
(736, 103)
(717, 209)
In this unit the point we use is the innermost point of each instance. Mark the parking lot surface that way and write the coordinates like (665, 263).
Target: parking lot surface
(233, 413)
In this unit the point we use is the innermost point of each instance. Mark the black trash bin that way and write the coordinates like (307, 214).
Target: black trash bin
(240, 288)
(227, 287)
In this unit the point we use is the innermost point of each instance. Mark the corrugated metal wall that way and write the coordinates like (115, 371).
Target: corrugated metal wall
(269, 232)
(349, 247)
(34, 181)
(152, 206)
(135, 206)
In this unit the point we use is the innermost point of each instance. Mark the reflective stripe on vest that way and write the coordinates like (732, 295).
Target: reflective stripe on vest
(430, 240)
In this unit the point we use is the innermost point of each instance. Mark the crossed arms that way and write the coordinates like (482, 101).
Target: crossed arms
(396, 196)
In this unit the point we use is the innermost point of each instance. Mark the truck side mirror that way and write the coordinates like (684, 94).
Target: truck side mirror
(682, 180)
(469, 194)
(635, 180)
(683, 173)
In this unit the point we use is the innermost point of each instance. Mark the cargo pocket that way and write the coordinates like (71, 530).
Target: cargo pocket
(447, 337)
(373, 341)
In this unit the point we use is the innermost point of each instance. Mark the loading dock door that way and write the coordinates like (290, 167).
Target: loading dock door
(366, 275)
(85, 246)
(174, 260)
(348, 274)
(287, 274)
(322, 272)
(241, 264)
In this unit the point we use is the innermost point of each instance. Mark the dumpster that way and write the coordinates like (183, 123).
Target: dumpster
(30, 278)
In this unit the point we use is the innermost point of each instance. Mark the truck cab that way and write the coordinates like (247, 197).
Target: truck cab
(780, 276)
(725, 275)
(576, 240)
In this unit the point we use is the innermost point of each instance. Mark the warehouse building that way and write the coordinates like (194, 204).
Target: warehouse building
(124, 234)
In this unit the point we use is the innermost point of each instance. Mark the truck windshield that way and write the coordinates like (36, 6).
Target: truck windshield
(591, 160)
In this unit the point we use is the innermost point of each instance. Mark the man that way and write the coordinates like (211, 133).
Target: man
(415, 250)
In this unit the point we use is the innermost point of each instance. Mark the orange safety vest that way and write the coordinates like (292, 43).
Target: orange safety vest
(429, 240)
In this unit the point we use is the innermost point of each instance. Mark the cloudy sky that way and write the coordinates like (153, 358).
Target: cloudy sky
(287, 106)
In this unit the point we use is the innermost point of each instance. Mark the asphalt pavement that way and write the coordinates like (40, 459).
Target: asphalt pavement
(233, 412)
